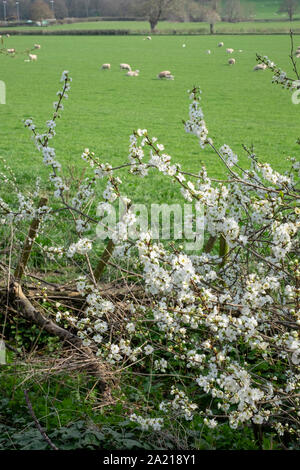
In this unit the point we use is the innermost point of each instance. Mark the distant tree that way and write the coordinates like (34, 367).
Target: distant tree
(40, 10)
(195, 11)
(212, 17)
(213, 5)
(232, 11)
(290, 7)
(249, 10)
(211, 12)
(60, 9)
(154, 10)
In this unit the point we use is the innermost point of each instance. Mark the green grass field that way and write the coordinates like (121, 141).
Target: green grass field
(265, 9)
(240, 106)
(165, 27)
(255, 9)
(104, 107)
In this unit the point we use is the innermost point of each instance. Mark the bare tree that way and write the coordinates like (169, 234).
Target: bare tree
(40, 10)
(211, 4)
(290, 7)
(60, 9)
(232, 11)
(212, 17)
(154, 10)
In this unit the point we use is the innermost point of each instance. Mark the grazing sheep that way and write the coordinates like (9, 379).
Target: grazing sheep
(105, 66)
(149, 38)
(208, 51)
(229, 51)
(125, 67)
(221, 44)
(37, 46)
(11, 51)
(260, 67)
(133, 73)
(164, 74)
(231, 61)
(32, 56)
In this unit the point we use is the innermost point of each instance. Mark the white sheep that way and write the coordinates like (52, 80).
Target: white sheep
(164, 74)
(10, 51)
(133, 73)
(105, 66)
(149, 38)
(259, 67)
(37, 46)
(221, 44)
(231, 61)
(208, 51)
(32, 56)
(125, 67)
(229, 50)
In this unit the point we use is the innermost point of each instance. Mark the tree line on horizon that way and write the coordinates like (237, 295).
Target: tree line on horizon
(210, 11)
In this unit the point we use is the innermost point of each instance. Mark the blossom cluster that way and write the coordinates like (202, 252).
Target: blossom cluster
(223, 321)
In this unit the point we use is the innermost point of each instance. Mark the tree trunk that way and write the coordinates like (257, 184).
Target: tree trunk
(153, 23)
(211, 27)
(27, 310)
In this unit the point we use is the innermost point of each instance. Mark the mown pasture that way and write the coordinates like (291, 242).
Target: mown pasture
(271, 26)
(104, 107)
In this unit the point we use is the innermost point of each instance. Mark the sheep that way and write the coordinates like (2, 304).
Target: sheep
(221, 44)
(229, 51)
(37, 46)
(231, 61)
(133, 73)
(125, 67)
(32, 56)
(105, 66)
(11, 51)
(259, 67)
(164, 74)
(149, 38)
(208, 51)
